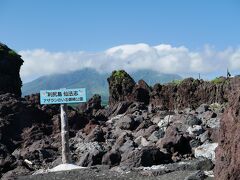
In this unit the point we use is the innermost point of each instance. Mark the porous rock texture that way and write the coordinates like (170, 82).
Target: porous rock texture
(10, 63)
(190, 93)
(228, 151)
(121, 85)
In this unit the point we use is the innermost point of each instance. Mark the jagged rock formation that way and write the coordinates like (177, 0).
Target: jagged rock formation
(187, 93)
(192, 93)
(120, 87)
(228, 151)
(10, 63)
(141, 92)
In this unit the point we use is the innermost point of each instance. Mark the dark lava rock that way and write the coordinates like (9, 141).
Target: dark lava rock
(127, 146)
(199, 175)
(96, 134)
(10, 64)
(6, 160)
(228, 150)
(146, 156)
(156, 135)
(127, 122)
(93, 104)
(121, 85)
(193, 120)
(195, 143)
(112, 158)
(15, 116)
(175, 141)
(118, 108)
(191, 93)
(76, 120)
(91, 158)
(141, 92)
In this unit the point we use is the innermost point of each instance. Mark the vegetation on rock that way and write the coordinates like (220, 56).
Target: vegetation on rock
(218, 80)
(12, 53)
(119, 74)
(176, 82)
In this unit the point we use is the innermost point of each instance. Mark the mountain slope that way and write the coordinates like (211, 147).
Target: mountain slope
(92, 80)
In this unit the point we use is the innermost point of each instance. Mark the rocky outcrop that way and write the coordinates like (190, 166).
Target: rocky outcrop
(141, 92)
(10, 63)
(192, 93)
(121, 85)
(189, 93)
(228, 151)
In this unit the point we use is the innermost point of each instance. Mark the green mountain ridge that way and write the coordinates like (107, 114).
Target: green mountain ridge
(93, 81)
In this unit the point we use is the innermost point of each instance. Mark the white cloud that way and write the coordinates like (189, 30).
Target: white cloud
(163, 58)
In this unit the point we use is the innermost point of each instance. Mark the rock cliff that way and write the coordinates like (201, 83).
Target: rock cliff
(10, 63)
(228, 151)
(189, 93)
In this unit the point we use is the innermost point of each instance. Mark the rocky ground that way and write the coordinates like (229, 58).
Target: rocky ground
(162, 132)
(133, 136)
(103, 173)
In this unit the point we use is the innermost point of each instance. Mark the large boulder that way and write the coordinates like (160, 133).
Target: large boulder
(175, 141)
(112, 158)
(146, 156)
(10, 63)
(228, 150)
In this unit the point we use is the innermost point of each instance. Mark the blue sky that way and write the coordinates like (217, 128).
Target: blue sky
(185, 37)
(95, 25)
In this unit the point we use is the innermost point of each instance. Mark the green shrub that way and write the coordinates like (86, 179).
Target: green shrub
(118, 74)
(218, 80)
(12, 53)
(176, 81)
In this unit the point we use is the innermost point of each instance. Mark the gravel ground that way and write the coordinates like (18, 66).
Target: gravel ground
(96, 174)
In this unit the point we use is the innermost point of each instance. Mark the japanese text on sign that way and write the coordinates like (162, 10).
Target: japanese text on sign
(62, 96)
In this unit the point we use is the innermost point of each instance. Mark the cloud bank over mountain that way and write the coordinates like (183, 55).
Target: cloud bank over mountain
(163, 58)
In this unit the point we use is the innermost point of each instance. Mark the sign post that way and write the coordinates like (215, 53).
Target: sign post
(65, 135)
(63, 97)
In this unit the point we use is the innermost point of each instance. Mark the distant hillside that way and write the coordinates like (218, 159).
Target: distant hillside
(92, 80)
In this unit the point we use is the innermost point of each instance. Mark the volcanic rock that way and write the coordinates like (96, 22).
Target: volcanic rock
(112, 158)
(10, 64)
(120, 87)
(141, 92)
(228, 151)
(146, 156)
(126, 122)
(175, 141)
(93, 104)
(191, 93)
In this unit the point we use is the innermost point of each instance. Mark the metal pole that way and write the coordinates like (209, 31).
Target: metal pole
(65, 135)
